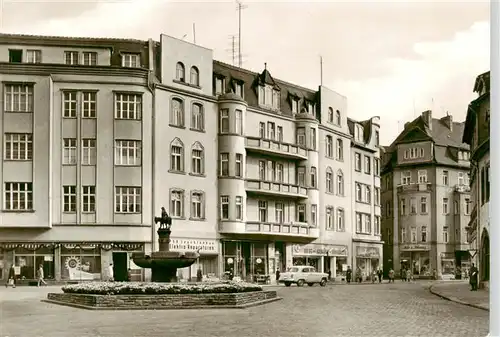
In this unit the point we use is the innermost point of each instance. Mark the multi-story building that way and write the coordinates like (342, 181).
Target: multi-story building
(257, 173)
(425, 197)
(477, 135)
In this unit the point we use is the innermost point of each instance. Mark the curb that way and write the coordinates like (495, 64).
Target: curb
(456, 300)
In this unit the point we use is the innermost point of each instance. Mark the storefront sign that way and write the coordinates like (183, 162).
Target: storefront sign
(319, 250)
(205, 246)
(367, 252)
(415, 247)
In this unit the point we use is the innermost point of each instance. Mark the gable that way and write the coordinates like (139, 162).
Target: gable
(413, 135)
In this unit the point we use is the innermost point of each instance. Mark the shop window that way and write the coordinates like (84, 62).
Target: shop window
(80, 263)
(29, 261)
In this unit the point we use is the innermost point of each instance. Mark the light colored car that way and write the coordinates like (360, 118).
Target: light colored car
(301, 275)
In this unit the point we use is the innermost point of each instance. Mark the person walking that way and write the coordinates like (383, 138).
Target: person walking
(40, 276)
(408, 275)
(380, 275)
(391, 275)
(403, 274)
(110, 273)
(348, 275)
(473, 277)
(12, 277)
(359, 275)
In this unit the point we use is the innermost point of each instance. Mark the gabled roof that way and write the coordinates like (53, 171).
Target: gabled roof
(482, 82)
(367, 128)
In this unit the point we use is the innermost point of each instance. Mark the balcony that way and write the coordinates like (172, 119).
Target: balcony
(460, 188)
(275, 189)
(274, 148)
(414, 187)
(296, 230)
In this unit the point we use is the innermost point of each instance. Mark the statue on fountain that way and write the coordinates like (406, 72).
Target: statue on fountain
(165, 220)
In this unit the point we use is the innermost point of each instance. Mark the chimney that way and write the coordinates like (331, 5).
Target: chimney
(406, 125)
(427, 117)
(448, 121)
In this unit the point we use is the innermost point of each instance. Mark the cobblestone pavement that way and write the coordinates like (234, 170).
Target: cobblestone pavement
(337, 310)
(460, 292)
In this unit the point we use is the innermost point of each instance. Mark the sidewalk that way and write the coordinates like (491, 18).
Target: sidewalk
(459, 292)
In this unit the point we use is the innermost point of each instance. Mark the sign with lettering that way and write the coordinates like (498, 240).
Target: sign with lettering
(415, 247)
(368, 252)
(319, 250)
(205, 246)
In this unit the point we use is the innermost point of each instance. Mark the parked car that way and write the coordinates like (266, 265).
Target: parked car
(303, 274)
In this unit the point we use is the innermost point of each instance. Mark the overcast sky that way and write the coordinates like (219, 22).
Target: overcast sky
(393, 59)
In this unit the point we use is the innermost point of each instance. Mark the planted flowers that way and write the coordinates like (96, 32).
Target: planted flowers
(145, 288)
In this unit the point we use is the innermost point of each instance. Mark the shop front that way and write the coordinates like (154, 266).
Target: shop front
(416, 257)
(245, 259)
(325, 258)
(368, 259)
(207, 262)
(448, 264)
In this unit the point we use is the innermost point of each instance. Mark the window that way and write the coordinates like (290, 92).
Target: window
(301, 176)
(18, 98)
(329, 218)
(423, 234)
(423, 205)
(238, 169)
(301, 137)
(403, 206)
(239, 208)
(368, 194)
(33, 56)
(262, 211)
(269, 97)
(194, 77)
(224, 121)
(69, 151)
(301, 213)
(445, 234)
(262, 130)
(340, 183)
(340, 220)
(89, 151)
(461, 178)
(377, 138)
(388, 207)
(358, 133)
(18, 146)
(359, 223)
(177, 113)
(329, 180)
(270, 130)
(313, 139)
(18, 196)
(422, 176)
(279, 213)
(238, 121)
(279, 134)
(224, 207)
(71, 57)
(295, 105)
(238, 89)
(314, 212)
(272, 170)
(376, 166)
(219, 86)
(69, 199)
(177, 203)
(413, 234)
(224, 164)
(340, 150)
(445, 178)
(403, 235)
(279, 172)
(131, 60)
(15, 55)
(445, 206)
(313, 177)
(89, 58)
(377, 196)
(127, 152)
(456, 209)
(128, 106)
(338, 118)
(128, 200)
(88, 199)
(406, 178)
(376, 229)
(177, 156)
(368, 165)
(329, 146)
(467, 206)
(197, 158)
(421, 152)
(359, 193)
(357, 161)
(89, 102)
(310, 108)
(197, 205)
(413, 205)
(330, 115)
(197, 120)
(69, 104)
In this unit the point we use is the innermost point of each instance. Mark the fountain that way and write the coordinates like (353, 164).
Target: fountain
(164, 263)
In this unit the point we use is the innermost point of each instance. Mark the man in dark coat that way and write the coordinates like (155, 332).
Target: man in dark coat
(473, 277)
(348, 275)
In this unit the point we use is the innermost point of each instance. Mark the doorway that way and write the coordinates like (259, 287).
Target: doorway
(120, 266)
(484, 269)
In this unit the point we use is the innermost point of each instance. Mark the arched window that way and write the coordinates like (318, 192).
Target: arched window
(177, 112)
(340, 149)
(340, 183)
(338, 118)
(180, 72)
(197, 120)
(177, 155)
(197, 159)
(194, 76)
(329, 180)
(330, 115)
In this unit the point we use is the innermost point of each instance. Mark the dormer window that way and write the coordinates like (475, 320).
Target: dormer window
(238, 89)
(219, 85)
(310, 108)
(194, 76)
(131, 60)
(295, 105)
(180, 72)
(358, 133)
(338, 118)
(269, 97)
(463, 155)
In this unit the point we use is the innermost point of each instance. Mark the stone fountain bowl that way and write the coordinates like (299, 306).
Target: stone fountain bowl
(165, 259)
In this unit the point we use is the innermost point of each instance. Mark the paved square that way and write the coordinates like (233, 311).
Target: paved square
(336, 310)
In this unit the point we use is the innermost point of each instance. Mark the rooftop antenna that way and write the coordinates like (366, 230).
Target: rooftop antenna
(194, 33)
(321, 69)
(265, 65)
(232, 49)
(239, 8)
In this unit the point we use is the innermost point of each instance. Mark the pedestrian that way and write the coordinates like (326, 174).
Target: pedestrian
(403, 274)
(374, 276)
(391, 275)
(110, 273)
(408, 275)
(40, 276)
(348, 274)
(434, 274)
(199, 275)
(12, 277)
(380, 275)
(359, 275)
(329, 275)
(278, 273)
(473, 277)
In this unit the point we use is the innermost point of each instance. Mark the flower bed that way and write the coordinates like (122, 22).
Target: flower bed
(148, 288)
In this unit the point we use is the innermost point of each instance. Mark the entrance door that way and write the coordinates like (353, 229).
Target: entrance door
(120, 266)
(484, 270)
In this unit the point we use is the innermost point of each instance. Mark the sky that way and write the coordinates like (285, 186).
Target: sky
(392, 59)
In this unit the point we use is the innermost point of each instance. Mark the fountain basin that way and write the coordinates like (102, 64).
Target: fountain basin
(165, 259)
